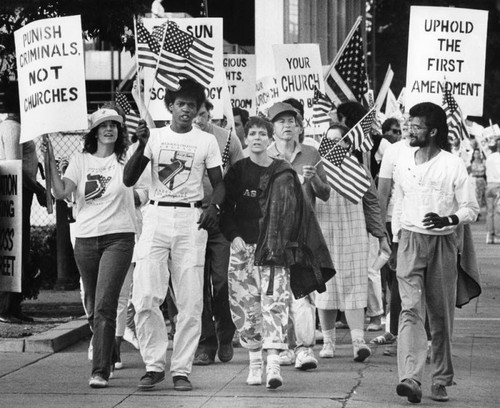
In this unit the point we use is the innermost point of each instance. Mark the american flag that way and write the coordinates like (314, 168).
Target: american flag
(456, 123)
(343, 172)
(359, 135)
(332, 151)
(322, 106)
(181, 56)
(147, 47)
(131, 116)
(225, 153)
(346, 79)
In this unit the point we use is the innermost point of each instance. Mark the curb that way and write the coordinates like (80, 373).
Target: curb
(51, 341)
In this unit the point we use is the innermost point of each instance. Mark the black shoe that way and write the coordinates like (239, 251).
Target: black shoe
(181, 383)
(202, 359)
(150, 379)
(438, 393)
(225, 352)
(411, 389)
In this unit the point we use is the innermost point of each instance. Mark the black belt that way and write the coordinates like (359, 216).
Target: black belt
(196, 204)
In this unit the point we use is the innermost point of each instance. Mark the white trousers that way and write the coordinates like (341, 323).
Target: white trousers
(375, 307)
(170, 246)
(303, 314)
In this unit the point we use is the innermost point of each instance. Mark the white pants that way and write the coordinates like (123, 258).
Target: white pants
(170, 246)
(375, 307)
(121, 312)
(303, 314)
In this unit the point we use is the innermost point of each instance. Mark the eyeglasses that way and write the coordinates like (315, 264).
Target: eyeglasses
(417, 128)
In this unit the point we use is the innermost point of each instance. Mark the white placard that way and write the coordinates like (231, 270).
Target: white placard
(298, 72)
(51, 76)
(267, 93)
(208, 30)
(240, 75)
(11, 203)
(447, 45)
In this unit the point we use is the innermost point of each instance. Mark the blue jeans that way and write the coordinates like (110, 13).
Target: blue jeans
(103, 263)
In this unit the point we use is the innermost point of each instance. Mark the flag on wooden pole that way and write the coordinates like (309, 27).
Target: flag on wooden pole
(346, 79)
(455, 119)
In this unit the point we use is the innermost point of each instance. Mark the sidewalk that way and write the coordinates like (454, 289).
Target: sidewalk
(60, 379)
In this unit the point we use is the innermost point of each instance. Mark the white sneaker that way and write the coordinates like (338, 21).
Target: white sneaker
(287, 357)
(305, 359)
(328, 350)
(118, 365)
(361, 350)
(96, 381)
(130, 336)
(274, 379)
(255, 374)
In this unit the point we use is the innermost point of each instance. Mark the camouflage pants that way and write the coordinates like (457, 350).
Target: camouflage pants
(261, 319)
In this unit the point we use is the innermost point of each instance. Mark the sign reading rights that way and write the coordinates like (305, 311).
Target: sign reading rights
(447, 48)
(240, 75)
(51, 76)
(299, 72)
(11, 201)
(208, 30)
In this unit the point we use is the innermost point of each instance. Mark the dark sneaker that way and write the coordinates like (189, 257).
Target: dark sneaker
(202, 359)
(438, 392)
(225, 352)
(411, 389)
(181, 383)
(150, 379)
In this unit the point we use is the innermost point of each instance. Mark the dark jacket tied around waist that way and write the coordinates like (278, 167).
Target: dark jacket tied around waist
(290, 235)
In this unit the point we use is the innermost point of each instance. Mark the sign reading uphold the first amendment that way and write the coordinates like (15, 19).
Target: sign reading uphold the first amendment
(51, 76)
(447, 47)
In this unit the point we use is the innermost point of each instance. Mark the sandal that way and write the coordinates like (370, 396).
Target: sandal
(386, 338)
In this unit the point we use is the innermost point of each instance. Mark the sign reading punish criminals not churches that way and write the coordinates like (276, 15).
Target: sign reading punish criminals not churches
(447, 48)
(51, 76)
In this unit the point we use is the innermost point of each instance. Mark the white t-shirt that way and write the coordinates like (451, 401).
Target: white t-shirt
(440, 185)
(388, 166)
(383, 146)
(178, 163)
(104, 205)
(493, 168)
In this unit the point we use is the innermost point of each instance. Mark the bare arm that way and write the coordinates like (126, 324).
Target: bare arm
(62, 188)
(137, 162)
(209, 217)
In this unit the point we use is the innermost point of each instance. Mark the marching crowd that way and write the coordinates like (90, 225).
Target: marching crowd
(241, 234)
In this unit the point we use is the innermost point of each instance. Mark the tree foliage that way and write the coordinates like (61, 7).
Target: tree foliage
(103, 19)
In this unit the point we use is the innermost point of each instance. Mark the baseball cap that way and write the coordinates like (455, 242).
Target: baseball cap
(102, 115)
(278, 108)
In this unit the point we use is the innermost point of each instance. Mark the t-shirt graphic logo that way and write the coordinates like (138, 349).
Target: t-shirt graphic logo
(174, 167)
(95, 186)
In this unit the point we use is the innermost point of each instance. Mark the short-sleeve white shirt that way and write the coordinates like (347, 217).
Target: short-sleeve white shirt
(104, 205)
(178, 163)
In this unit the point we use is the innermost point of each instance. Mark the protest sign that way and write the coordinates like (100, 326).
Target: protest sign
(240, 75)
(447, 47)
(11, 202)
(208, 30)
(51, 76)
(299, 72)
(267, 93)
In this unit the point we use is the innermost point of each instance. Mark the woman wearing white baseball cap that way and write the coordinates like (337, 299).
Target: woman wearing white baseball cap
(104, 229)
